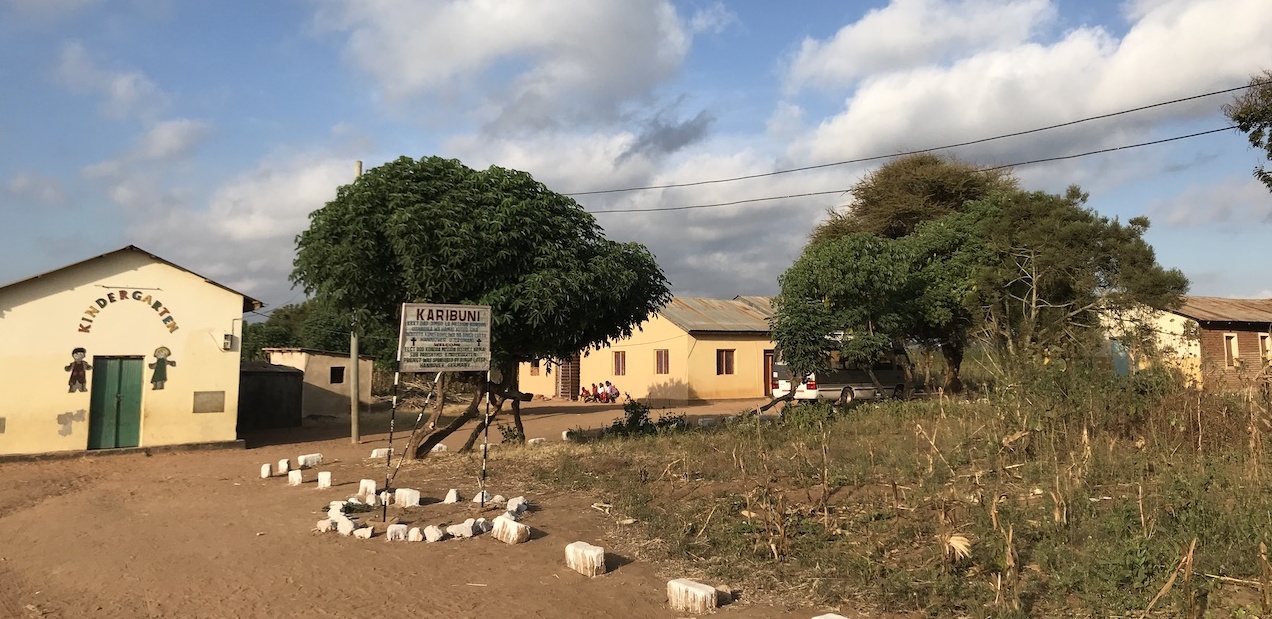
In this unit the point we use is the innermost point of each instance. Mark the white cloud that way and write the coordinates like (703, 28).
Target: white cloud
(1176, 49)
(41, 189)
(548, 58)
(714, 19)
(244, 236)
(1233, 203)
(171, 139)
(125, 93)
(910, 33)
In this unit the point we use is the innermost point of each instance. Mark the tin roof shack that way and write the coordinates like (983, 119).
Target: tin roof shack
(120, 350)
(327, 380)
(694, 349)
(270, 396)
(1232, 338)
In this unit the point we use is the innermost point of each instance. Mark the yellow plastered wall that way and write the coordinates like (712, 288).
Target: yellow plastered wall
(542, 383)
(1174, 336)
(42, 320)
(641, 379)
(748, 379)
(320, 397)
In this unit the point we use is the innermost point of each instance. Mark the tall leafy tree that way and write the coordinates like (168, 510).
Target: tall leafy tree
(1251, 112)
(434, 230)
(893, 200)
(1051, 266)
(845, 295)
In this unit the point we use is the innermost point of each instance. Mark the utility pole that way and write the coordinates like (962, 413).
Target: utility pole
(354, 391)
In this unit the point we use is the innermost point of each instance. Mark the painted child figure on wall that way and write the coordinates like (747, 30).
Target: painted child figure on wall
(79, 370)
(160, 366)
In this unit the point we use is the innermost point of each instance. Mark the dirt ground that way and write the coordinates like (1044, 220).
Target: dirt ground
(200, 534)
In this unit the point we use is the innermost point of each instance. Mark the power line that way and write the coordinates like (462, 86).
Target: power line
(999, 167)
(915, 152)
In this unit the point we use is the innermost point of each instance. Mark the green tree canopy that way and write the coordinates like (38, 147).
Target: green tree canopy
(855, 286)
(894, 199)
(434, 230)
(1251, 112)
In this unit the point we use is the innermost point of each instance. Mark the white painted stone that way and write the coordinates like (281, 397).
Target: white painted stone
(498, 499)
(336, 505)
(386, 497)
(482, 526)
(510, 514)
(326, 525)
(396, 533)
(438, 448)
(830, 616)
(510, 531)
(324, 480)
(407, 497)
(706, 421)
(308, 460)
(414, 535)
(366, 488)
(267, 471)
(452, 496)
(283, 466)
(381, 453)
(295, 478)
(690, 597)
(482, 497)
(345, 526)
(537, 441)
(373, 500)
(518, 504)
(565, 435)
(335, 513)
(363, 533)
(354, 500)
(585, 558)
(434, 533)
(462, 530)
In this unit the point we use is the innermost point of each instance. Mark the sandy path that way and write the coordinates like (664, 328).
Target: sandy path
(199, 534)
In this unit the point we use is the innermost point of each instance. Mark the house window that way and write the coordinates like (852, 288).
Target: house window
(620, 363)
(1230, 352)
(1265, 348)
(724, 362)
(534, 367)
(662, 361)
(337, 375)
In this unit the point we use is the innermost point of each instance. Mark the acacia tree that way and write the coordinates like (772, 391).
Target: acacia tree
(893, 200)
(433, 230)
(1251, 112)
(1051, 267)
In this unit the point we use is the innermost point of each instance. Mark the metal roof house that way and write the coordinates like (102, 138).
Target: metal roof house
(1218, 343)
(694, 349)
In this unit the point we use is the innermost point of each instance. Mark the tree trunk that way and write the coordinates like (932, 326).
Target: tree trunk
(481, 425)
(436, 436)
(953, 353)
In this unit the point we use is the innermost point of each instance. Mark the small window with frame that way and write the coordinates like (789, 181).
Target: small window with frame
(662, 361)
(1231, 354)
(724, 361)
(620, 363)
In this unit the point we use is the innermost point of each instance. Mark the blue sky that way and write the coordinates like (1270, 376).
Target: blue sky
(207, 131)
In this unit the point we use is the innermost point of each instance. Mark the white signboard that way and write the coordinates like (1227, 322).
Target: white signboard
(444, 338)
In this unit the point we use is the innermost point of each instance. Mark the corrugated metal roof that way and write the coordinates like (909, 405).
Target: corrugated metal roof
(764, 304)
(1219, 309)
(699, 314)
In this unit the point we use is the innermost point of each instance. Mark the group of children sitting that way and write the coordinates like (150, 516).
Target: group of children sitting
(605, 394)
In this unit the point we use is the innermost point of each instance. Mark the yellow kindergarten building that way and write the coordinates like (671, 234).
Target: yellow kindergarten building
(121, 350)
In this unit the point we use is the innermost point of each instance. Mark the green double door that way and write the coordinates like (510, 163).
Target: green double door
(114, 416)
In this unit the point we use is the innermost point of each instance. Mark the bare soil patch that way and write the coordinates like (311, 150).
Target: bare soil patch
(199, 534)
